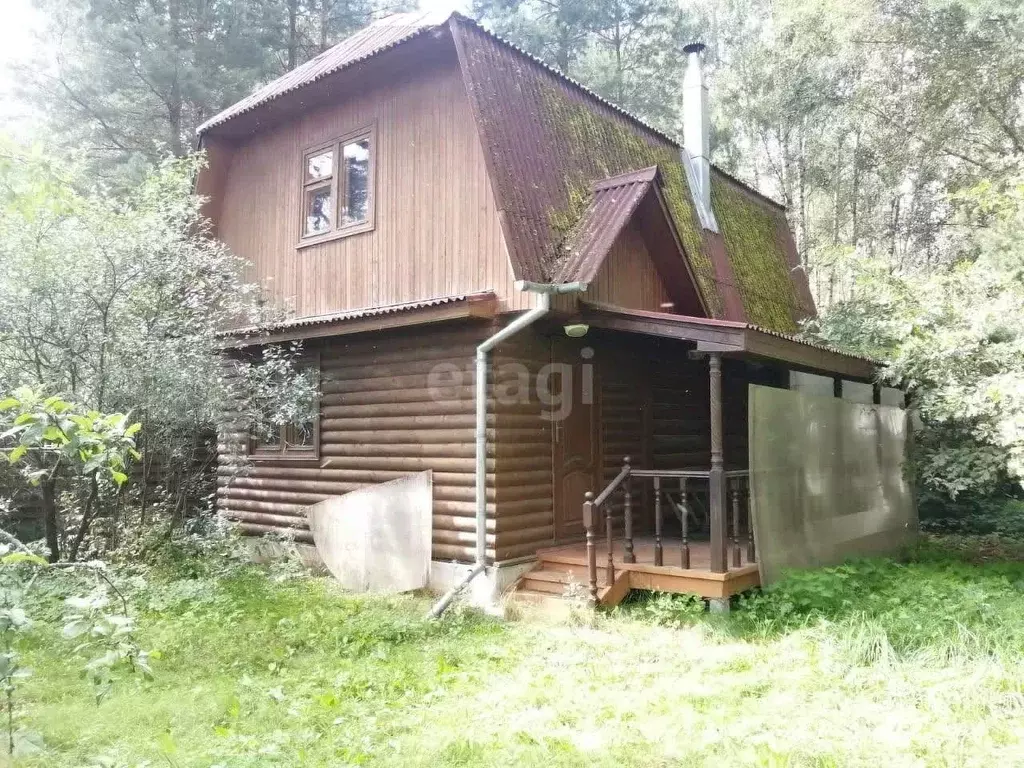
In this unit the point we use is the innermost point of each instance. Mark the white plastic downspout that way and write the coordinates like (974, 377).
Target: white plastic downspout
(544, 291)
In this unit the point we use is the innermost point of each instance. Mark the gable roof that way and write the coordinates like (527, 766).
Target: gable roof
(373, 39)
(547, 139)
(630, 198)
(614, 202)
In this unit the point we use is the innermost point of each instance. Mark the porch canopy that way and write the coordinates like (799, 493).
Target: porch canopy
(732, 338)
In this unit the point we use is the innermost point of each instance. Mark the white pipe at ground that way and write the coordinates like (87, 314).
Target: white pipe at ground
(543, 291)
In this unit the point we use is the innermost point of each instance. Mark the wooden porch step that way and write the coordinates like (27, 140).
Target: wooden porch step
(568, 565)
(554, 582)
(542, 603)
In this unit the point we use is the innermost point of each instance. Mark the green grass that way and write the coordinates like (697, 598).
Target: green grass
(876, 663)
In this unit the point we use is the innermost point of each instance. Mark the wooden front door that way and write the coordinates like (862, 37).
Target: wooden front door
(574, 414)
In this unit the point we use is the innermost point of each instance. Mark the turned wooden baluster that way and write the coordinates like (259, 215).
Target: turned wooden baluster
(737, 551)
(657, 521)
(588, 525)
(684, 552)
(627, 510)
(610, 573)
(751, 554)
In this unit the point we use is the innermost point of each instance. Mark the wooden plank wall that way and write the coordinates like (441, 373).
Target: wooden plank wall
(628, 277)
(436, 231)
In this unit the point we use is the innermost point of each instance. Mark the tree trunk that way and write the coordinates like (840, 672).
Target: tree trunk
(325, 22)
(48, 493)
(293, 34)
(175, 103)
(88, 513)
(855, 190)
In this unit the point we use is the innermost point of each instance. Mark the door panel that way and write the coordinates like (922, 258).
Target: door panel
(575, 433)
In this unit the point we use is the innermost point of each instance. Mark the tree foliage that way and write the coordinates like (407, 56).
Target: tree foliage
(131, 80)
(115, 302)
(955, 337)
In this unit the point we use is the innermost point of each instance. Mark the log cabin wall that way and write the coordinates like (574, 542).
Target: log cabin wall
(391, 404)
(436, 228)
(401, 401)
(624, 407)
(522, 484)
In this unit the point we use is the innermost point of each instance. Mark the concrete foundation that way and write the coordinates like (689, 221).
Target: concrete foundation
(486, 590)
(718, 605)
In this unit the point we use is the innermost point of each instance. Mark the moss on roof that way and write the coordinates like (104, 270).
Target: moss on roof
(750, 230)
(548, 140)
(604, 145)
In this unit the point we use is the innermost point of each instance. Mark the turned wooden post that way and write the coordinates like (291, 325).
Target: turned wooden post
(657, 521)
(610, 571)
(737, 551)
(716, 478)
(588, 525)
(684, 546)
(627, 511)
(751, 554)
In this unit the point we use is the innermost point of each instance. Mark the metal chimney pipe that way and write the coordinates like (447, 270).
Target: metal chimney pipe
(697, 133)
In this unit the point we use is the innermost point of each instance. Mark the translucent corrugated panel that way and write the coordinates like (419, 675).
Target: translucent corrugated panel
(827, 480)
(377, 539)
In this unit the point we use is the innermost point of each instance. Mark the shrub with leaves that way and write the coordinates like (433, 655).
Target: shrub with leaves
(57, 442)
(115, 301)
(108, 638)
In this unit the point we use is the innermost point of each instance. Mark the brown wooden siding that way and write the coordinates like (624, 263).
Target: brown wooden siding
(628, 277)
(436, 233)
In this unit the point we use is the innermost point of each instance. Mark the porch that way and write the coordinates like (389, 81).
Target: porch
(673, 392)
(564, 566)
(698, 541)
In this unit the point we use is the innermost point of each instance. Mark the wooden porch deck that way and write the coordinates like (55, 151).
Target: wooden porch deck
(561, 565)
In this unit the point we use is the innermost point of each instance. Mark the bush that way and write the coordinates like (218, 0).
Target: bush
(934, 603)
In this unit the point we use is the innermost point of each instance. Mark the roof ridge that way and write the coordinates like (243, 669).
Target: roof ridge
(645, 175)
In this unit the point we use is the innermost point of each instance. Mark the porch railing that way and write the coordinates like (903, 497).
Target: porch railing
(738, 536)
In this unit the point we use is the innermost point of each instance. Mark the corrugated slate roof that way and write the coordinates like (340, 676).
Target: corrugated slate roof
(355, 314)
(379, 36)
(613, 205)
(547, 139)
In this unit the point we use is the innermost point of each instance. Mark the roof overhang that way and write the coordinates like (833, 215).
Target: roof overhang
(732, 338)
(483, 305)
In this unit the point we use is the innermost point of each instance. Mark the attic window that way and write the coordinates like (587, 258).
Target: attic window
(337, 188)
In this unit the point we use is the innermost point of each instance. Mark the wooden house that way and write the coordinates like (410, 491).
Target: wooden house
(435, 203)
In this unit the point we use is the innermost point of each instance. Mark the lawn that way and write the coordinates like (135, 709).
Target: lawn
(915, 663)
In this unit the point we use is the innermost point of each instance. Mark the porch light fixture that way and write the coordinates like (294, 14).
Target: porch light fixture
(576, 330)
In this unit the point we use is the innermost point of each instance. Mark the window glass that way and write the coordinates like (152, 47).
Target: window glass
(319, 210)
(320, 166)
(265, 435)
(299, 437)
(357, 182)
